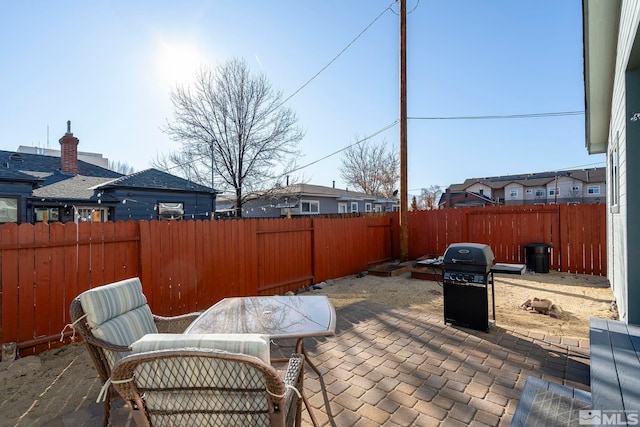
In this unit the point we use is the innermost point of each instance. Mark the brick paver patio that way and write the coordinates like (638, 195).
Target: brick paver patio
(403, 367)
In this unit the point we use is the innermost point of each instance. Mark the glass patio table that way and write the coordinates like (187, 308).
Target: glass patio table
(280, 317)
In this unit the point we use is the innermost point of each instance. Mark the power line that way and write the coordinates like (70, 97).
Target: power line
(505, 116)
(389, 126)
(508, 116)
(582, 166)
(307, 83)
(338, 55)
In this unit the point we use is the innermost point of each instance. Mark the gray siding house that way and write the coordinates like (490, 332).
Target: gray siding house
(40, 188)
(612, 98)
(307, 199)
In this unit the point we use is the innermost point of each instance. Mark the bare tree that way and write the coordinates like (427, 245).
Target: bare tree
(430, 197)
(121, 167)
(232, 125)
(371, 168)
(182, 163)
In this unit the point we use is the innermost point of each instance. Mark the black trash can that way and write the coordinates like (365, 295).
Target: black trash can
(538, 257)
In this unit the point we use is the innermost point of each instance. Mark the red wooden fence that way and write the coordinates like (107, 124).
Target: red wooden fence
(190, 265)
(184, 266)
(576, 233)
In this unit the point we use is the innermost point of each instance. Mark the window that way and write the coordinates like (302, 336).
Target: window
(481, 191)
(367, 207)
(539, 193)
(310, 206)
(553, 191)
(170, 210)
(377, 208)
(513, 193)
(342, 207)
(87, 214)
(8, 209)
(593, 189)
(354, 206)
(47, 214)
(614, 178)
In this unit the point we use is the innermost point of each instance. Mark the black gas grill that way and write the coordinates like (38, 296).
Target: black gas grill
(466, 279)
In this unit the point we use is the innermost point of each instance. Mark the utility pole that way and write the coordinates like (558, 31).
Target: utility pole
(404, 192)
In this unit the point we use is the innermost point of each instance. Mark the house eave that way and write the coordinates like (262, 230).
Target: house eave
(600, 36)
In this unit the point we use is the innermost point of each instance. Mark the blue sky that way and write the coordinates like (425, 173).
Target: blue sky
(109, 68)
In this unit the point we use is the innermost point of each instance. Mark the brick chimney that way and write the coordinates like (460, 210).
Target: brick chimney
(69, 151)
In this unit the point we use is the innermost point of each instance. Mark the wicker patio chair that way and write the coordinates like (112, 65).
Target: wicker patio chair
(110, 318)
(209, 387)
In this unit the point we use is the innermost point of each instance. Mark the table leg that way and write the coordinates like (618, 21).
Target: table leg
(300, 349)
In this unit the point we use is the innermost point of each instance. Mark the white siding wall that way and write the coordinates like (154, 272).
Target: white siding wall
(515, 199)
(565, 186)
(617, 220)
(531, 197)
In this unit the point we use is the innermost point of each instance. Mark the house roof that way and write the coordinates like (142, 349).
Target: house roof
(55, 184)
(153, 179)
(600, 21)
(77, 187)
(17, 176)
(39, 165)
(590, 175)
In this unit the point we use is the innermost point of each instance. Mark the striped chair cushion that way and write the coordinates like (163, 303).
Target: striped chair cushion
(128, 327)
(250, 344)
(106, 302)
(118, 313)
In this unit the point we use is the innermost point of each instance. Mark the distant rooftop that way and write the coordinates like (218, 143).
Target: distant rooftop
(93, 158)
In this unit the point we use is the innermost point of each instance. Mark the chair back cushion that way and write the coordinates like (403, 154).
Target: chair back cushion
(118, 313)
(250, 344)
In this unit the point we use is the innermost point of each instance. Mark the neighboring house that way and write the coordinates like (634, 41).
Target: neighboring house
(36, 188)
(612, 95)
(15, 189)
(307, 199)
(570, 186)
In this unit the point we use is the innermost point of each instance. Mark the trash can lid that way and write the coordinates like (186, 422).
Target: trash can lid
(537, 245)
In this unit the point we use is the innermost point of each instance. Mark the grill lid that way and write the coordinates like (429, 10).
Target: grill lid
(474, 257)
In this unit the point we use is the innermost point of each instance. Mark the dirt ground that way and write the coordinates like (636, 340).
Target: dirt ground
(579, 296)
(29, 387)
